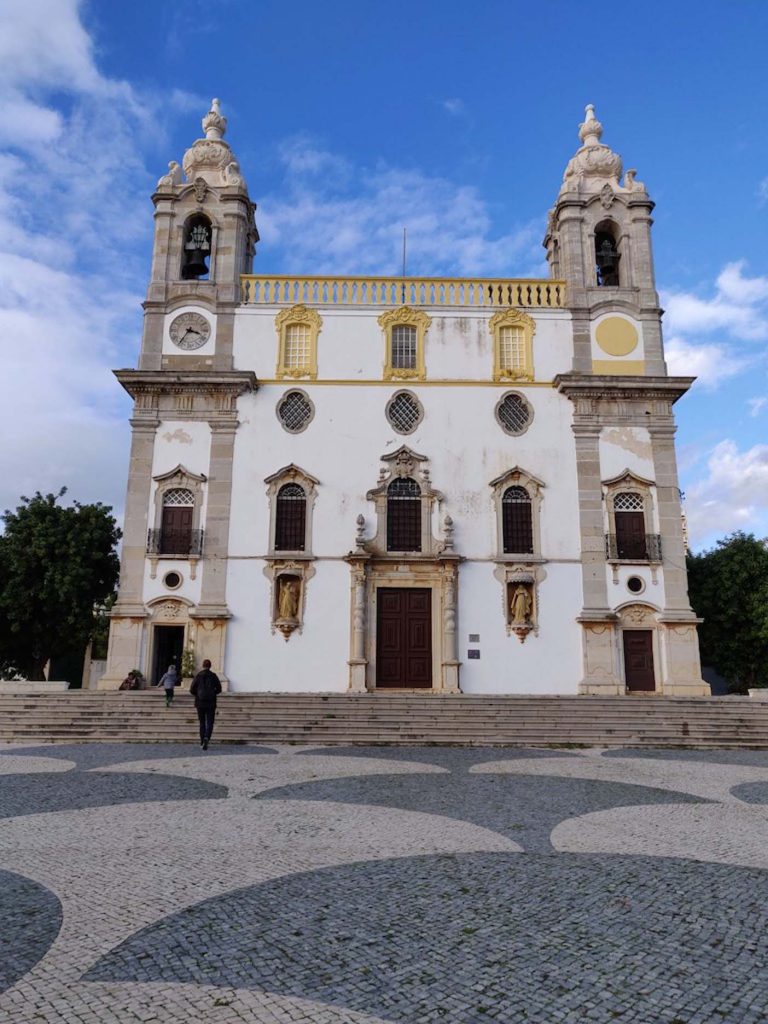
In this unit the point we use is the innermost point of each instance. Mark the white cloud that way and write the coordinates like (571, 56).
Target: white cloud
(454, 106)
(710, 363)
(738, 309)
(756, 405)
(72, 205)
(337, 218)
(733, 495)
(762, 191)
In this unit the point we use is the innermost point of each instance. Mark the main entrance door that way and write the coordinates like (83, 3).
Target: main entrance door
(404, 637)
(168, 646)
(638, 660)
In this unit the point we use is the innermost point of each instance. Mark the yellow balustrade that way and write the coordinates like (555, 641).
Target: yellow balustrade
(282, 289)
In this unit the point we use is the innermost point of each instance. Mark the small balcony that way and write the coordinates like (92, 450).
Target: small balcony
(173, 544)
(645, 548)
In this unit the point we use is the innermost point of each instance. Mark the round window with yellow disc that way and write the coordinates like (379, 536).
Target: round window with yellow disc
(616, 336)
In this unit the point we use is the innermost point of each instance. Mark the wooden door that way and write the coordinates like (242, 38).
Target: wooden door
(638, 660)
(630, 535)
(176, 533)
(403, 637)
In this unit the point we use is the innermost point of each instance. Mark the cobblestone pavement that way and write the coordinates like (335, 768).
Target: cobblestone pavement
(158, 883)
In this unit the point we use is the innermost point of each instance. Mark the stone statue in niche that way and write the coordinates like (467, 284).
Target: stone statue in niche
(288, 596)
(520, 609)
(520, 605)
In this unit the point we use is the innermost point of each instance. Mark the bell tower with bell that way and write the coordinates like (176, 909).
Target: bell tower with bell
(186, 386)
(598, 241)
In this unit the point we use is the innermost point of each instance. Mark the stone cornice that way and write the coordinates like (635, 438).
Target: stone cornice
(169, 382)
(607, 386)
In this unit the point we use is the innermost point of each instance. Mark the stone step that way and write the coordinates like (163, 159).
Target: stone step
(407, 718)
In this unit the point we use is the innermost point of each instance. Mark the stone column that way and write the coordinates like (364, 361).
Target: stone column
(600, 676)
(128, 614)
(451, 662)
(358, 662)
(681, 666)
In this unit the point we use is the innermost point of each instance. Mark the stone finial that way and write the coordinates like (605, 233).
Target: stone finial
(214, 122)
(594, 163)
(448, 534)
(590, 131)
(360, 532)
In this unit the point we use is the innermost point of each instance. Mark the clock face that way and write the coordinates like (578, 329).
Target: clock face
(190, 331)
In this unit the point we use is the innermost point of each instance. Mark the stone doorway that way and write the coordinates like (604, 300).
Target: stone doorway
(404, 638)
(167, 648)
(639, 673)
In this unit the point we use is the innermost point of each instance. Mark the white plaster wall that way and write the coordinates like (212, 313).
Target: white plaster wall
(548, 663)
(341, 448)
(186, 443)
(626, 447)
(619, 594)
(351, 344)
(314, 660)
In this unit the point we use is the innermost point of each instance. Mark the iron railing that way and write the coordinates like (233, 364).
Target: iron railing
(185, 544)
(634, 549)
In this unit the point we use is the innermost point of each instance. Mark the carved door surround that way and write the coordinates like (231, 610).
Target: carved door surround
(435, 567)
(639, 648)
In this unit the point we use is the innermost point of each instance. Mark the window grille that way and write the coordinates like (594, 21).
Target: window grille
(404, 412)
(298, 347)
(178, 496)
(512, 349)
(290, 518)
(628, 501)
(517, 521)
(513, 414)
(403, 347)
(295, 411)
(404, 515)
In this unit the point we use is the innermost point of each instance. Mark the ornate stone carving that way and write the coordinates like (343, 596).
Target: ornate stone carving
(607, 196)
(172, 179)
(593, 160)
(288, 594)
(200, 186)
(233, 176)
(209, 158)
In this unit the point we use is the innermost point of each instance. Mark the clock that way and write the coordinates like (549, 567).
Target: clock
(189, 331)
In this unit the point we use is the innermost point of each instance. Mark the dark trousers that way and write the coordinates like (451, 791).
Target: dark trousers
(206, 716)
(168, 697)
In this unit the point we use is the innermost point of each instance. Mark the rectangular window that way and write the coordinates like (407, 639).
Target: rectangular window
(512, 349)
(298, 347)
(403, 347)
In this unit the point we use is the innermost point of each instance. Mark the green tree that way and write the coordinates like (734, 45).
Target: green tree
(56, 562)
(729, 590)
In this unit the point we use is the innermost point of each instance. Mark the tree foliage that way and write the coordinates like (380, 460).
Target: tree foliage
(729, 590)
(56, 563)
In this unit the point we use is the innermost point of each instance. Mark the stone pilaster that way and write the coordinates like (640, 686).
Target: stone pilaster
(681, 666)
(213, 595)
(358, 663)
(451, 661)
(128, 614)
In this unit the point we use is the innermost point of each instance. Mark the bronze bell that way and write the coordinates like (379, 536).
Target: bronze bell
(608, 264)
(196, 248)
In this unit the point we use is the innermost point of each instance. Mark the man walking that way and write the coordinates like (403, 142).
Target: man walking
(205, 688)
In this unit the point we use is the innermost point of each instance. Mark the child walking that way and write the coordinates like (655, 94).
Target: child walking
(169, 681)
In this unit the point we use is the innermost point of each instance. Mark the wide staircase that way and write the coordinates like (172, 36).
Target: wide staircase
(398, 718)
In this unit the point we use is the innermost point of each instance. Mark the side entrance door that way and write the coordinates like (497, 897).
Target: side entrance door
(403, 637)
(638, 660)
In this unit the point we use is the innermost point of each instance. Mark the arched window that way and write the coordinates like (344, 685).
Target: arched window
(176, 524)
(196, 249)
(607, 256)
(403, 515)
(629, 515)
(291, 518)
(517, 521)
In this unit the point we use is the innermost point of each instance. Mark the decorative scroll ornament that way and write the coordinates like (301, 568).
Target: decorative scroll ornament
(172, 179)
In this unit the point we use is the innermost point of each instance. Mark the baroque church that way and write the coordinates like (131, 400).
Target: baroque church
(377, 483)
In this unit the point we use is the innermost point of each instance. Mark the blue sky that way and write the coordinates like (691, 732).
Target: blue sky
(350, 121)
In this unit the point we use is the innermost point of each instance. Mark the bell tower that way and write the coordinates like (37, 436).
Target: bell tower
(599, 240)
(205, 238)
(186, 386)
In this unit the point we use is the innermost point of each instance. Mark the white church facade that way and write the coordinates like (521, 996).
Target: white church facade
(357, 483)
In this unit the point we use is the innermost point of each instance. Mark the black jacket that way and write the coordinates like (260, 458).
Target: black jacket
(205, 688)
